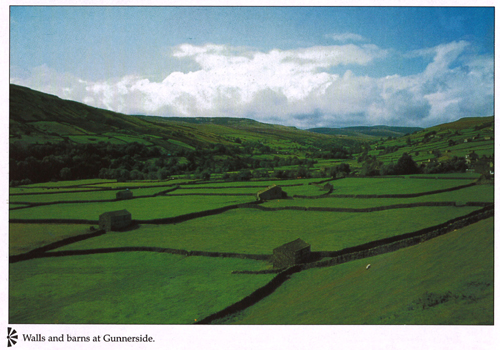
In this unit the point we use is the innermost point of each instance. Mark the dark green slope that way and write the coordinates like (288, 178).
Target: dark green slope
(368, 131)
(40, 117)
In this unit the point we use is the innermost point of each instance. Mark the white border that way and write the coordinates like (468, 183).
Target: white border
(230, 337)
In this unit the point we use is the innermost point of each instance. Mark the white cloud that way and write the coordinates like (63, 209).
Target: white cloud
(293, 87)
(343, 37)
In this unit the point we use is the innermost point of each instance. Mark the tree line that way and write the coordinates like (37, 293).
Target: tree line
(72, 161)
(406, 166)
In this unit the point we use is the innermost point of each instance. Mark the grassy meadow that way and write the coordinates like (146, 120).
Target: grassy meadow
(447, 280)
(127, 288)
(252, 231)
(139, 287)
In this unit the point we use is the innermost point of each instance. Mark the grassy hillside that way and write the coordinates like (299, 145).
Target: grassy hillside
(448, 280)
(442, 142)
(40, 117)
(56, 139)
(369, 132)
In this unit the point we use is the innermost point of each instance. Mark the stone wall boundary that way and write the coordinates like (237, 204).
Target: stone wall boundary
(442, 178)
(39, 252)
(368, 210)
(96, 189)
(324, 181)
(190, 216)
(350, 254)
(54, 221)
(254, 297)
(47, 254)
(34, 204)
(408, 195)
(394, 243)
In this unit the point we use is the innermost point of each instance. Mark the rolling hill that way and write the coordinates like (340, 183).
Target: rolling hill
(37, 117)
(369, 132)
(211, 145)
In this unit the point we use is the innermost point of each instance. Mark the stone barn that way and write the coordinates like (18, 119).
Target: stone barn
(291, 253)
(115, 220)
(127, 194)
(328, 187)
(272, 192)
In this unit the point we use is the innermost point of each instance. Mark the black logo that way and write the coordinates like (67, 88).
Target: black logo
(11, 337)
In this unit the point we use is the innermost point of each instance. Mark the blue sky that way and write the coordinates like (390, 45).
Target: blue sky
(301, 66)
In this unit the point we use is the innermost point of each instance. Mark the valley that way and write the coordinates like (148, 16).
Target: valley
(199, 246)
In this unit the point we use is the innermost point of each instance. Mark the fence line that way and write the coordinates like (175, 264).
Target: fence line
(344, 256)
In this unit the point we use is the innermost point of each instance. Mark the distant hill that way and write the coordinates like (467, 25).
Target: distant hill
(368, 131)
(440, 143)
(49, 134)
(225, 121)
(37, 117)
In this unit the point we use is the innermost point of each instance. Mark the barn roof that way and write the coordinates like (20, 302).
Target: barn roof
(267, 189)
(298, 244)
(116, 213)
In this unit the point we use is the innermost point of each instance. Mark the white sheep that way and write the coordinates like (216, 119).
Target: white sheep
(368, 266)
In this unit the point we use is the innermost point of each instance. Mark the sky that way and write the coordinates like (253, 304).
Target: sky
(297, 66)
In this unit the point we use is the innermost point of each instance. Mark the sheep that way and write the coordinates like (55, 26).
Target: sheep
(368, 266)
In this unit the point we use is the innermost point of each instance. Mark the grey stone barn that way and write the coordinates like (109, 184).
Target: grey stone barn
(328, 187)
(291, 253)
(124, 194)
(115, 220)
(272, 192)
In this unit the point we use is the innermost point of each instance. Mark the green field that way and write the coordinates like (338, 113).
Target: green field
(88, 195)
(474, 193)
(23, 238)
(442, 281)
(130, 288)
(87, 288)
(142, 208)
(252, 231)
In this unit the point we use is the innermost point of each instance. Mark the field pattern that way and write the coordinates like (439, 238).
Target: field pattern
(208, 246)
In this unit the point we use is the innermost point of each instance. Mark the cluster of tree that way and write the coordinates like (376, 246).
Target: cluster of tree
(134, 161)
(406, 165)
(340, 170)
(300, 172)
(69, 161)
(428, 135)
(371, 166)
(364, 156)
(454, 165)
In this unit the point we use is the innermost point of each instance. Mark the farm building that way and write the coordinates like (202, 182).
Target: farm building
(328, 187)
(291, 253)
(471, 157)
(115, 220)
(124, 194)
(272, 192)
